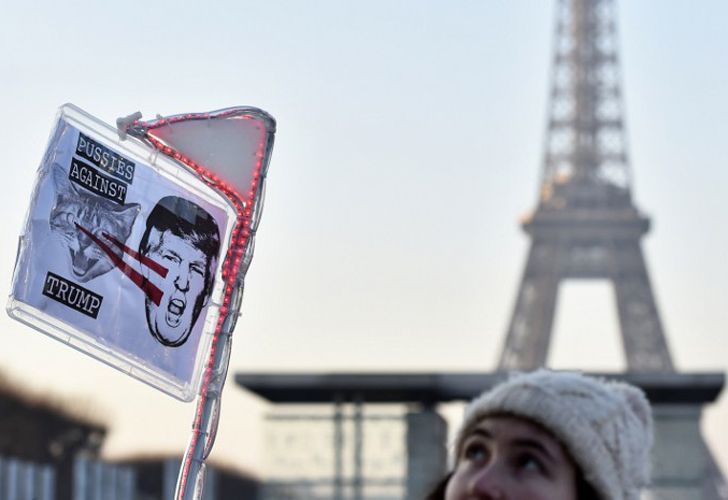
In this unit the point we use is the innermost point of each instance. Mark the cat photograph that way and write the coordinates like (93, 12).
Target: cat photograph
(77, 212)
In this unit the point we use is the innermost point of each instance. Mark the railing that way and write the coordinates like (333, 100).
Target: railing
(325, 489)
(20, 480)
(97, 480)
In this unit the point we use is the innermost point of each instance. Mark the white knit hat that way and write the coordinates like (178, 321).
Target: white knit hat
(606, 426)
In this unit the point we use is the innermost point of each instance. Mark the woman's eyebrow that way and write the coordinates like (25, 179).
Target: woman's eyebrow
(484, 433)
(535, 444)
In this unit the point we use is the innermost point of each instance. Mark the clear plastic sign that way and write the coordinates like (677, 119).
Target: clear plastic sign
(121, 255)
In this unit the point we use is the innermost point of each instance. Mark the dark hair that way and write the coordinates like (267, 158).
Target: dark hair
(584, 490)
(187, 220)
(438, 492)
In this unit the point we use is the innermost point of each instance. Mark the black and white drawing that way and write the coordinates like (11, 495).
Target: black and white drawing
(181, 242)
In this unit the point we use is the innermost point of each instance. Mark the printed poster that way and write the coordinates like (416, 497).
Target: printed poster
(122, 255)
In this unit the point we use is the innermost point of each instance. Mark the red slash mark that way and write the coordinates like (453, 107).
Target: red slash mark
(151, 291)
(154, 266)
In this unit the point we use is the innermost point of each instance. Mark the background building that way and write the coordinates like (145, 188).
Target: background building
(586, 226)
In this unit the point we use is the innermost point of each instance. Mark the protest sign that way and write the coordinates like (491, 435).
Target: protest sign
(121, 253)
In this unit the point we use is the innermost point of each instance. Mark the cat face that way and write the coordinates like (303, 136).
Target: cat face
(74, 205)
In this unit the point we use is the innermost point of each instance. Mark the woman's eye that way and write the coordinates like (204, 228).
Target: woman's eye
(476, 452)
(529, 463)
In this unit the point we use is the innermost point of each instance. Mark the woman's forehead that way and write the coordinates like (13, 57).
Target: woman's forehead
(512, 423)
(510, 428)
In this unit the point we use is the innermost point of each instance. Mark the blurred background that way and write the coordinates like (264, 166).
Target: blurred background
(409, 143)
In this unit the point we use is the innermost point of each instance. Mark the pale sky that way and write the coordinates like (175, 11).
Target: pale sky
(409, 144)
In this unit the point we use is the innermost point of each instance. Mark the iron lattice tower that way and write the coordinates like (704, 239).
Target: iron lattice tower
(585, 224)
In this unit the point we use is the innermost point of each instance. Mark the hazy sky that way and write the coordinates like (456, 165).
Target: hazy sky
(409, 144)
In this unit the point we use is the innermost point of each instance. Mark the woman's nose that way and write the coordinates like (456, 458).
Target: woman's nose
(488, 483)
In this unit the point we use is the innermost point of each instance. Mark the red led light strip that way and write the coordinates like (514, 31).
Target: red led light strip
(239, 240)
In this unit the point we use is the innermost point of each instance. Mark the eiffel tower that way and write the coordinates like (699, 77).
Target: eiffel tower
(586, 224)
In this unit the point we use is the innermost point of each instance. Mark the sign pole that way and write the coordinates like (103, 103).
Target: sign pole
(221, 167)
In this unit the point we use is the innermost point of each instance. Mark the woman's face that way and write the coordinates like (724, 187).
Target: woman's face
(510, 458)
